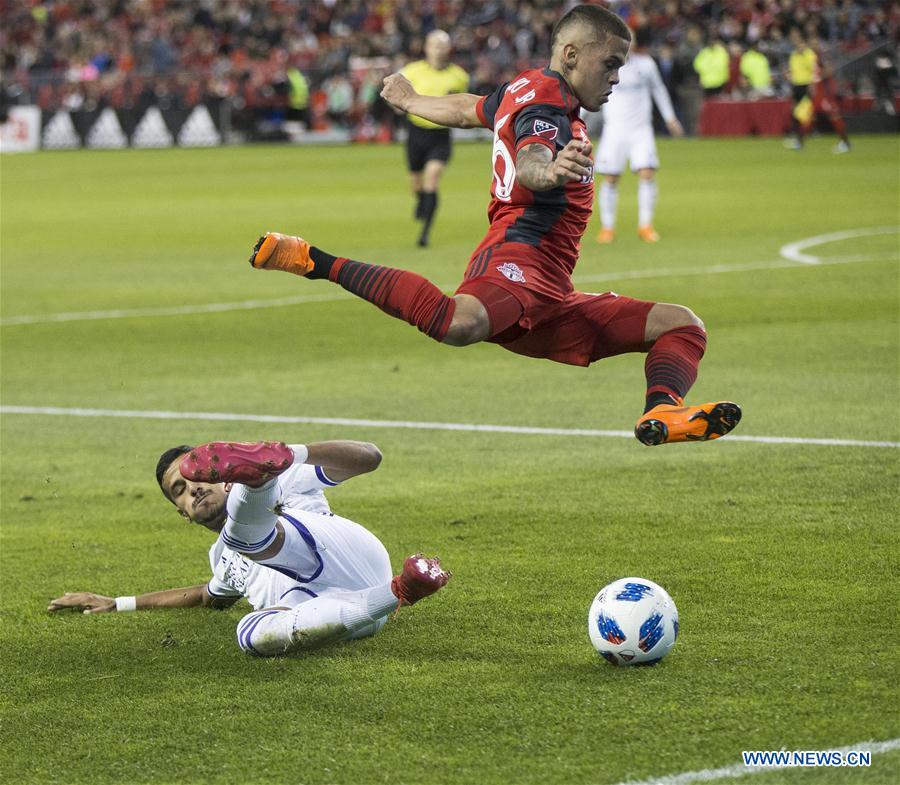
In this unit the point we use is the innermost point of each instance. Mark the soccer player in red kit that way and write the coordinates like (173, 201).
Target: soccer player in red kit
(517, 290)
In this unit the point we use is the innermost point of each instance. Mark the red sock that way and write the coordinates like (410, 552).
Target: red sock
(400, 293)
(671, 366)
(840, 127)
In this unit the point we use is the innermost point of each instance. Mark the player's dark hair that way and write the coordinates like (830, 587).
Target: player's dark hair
(604, 22)
(643, 36)
(165, 461)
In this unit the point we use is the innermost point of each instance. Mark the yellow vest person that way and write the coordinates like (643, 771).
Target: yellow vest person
(428, 146)
(711, 65)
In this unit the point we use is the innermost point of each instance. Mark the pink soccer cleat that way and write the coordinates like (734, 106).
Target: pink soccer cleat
(250, 463)
(420, 578)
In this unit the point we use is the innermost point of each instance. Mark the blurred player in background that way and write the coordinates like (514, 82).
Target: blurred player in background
(312, 577)
(517, 290)
(428, 147)
(628, 137)
(825, 101)
(813, 91)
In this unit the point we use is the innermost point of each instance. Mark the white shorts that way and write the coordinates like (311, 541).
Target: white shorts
(348, 557)
(619, 144)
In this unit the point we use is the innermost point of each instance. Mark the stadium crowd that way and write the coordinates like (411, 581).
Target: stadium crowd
(322, 61)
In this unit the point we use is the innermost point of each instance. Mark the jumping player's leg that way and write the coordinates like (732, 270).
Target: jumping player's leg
(339, 615)
(678, 340)
(587, 328)
(457, 321)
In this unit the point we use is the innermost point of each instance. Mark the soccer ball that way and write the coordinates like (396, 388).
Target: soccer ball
(633, 621)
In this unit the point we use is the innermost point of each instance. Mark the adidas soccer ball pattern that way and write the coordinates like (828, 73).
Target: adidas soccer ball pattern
(633, 621)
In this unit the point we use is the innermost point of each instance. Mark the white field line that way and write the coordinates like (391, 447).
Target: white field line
(793, 258)
(794, 251)
(177, 310)
(739, 770)
(412, 424)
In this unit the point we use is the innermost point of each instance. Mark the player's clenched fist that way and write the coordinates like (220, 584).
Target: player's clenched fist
(398, 91)
(83, 601)
(574, 162)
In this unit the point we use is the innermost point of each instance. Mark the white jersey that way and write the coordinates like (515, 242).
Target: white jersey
(631, 103)
(235, 575)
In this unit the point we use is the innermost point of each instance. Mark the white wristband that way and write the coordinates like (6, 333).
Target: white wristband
(126, 603)
(301, 452)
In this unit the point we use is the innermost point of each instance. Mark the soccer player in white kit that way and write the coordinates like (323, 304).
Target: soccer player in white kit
(628, 136)
(312, 577)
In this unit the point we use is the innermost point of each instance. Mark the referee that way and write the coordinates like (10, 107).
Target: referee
(803, 66)
(428, 145)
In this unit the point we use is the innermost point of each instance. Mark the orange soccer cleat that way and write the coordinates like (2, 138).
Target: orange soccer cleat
(274, 251)
(648, 234)
(668, 423)
(606, 236)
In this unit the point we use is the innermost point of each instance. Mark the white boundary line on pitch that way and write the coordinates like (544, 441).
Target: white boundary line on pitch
(412, 424)
(793, 258)
(794, 251)
(739, 770)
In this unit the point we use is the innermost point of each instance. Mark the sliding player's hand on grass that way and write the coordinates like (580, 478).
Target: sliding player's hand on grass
(83, 601)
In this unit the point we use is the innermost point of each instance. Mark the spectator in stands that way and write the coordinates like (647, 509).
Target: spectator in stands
(298, 97)
(756, 74)
(712, 66)
(106, 50)
(339, 98)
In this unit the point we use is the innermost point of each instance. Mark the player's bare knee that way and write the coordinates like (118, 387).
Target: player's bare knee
(685, 317)
(470, 323)
(666, 316)
(465, 331)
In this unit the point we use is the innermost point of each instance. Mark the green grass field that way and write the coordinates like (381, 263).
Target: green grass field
(782, 557)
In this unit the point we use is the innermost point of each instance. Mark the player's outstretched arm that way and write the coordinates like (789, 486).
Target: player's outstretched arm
(456, 110)
(186, 597)
(342, 460)
(538, 170)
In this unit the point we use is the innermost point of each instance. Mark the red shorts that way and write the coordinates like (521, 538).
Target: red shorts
(568, 327)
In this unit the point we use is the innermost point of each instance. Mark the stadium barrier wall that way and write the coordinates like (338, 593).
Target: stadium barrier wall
(29, 129)
(21, 133)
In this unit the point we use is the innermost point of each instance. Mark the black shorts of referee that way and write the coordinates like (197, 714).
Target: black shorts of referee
(427, 144)
(799, 92)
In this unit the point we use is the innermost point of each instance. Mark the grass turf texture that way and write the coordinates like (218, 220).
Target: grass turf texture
(782, 558)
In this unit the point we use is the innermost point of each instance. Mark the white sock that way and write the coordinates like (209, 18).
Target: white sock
(371, 605)
(250, 527)
(608, 201)
(646, 202)
(316, 622)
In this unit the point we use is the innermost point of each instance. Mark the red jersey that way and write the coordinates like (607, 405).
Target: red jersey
(536, 108)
